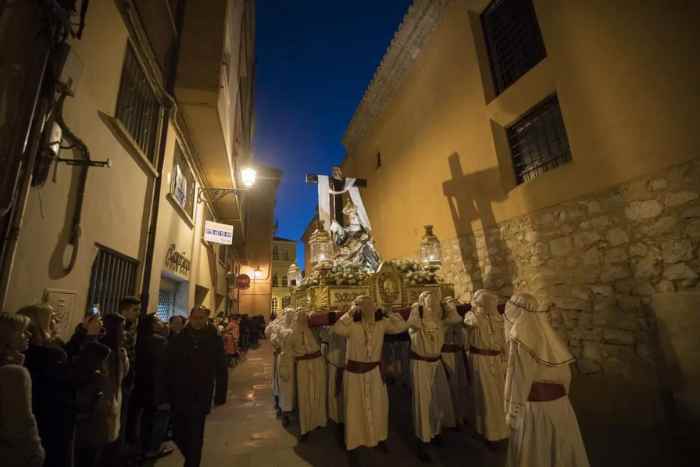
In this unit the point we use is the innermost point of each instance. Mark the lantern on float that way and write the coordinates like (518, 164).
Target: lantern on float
(321, 249)
(293, 276)
(430, 250)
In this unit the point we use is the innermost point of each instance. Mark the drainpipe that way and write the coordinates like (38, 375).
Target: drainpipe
(155, 203)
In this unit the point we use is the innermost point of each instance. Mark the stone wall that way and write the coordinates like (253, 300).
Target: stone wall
(595, 263)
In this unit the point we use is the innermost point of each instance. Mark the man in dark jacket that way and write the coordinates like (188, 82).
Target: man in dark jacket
(196, 363)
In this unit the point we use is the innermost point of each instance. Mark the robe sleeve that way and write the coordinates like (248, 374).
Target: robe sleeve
(343, 326)
(452, 317)
(519, 377)
(395, 324)
(414, 319)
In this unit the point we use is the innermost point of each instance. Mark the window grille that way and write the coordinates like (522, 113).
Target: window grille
(182, 184)
(166, 304)
(275, 281)
(113, 278)
(275, 304)
(275, 253)
(538, 140)
(138, 109)
(513, 40)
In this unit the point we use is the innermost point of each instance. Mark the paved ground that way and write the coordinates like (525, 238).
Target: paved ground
(246, 433)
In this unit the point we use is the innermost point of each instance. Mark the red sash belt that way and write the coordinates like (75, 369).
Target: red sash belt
(309, 356)
(339, 370)
(545, 392)
(486, 352)
(414, 356)
(353, 366)
(452, 348)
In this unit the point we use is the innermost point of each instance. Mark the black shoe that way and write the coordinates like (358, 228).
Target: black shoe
(423, 455)
(437, 440)
(384, 447)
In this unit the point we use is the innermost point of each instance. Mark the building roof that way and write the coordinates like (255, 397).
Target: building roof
(281, 239)
(419, 21)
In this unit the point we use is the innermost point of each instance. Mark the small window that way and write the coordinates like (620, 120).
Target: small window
(138, 109)
(538, 141)
(285, 255)
(275, 253)
(513, 40)
(379, 159)
(275, 304)
(182, 185)
(275, 280)
(113, 278)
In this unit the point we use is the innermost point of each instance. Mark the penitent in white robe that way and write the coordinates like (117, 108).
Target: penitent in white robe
(281, 338)
(335, 359)
(488, 373)
(365, 395)
(456, 367)
(311, 381)
(432, 401)
(269, 331)
(544, 434)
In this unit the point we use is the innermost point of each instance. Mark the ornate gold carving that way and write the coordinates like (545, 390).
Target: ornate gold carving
(387, 285)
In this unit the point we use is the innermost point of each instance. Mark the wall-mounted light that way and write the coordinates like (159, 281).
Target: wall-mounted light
(248, 176)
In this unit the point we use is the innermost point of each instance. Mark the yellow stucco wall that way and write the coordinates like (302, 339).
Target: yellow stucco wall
(629, 99)
(114, 198)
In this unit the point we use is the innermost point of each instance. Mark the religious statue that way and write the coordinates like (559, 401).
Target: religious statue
(354, 242)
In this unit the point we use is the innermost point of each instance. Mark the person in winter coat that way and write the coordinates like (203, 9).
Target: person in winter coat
(20, 445)
(53, 391)
(195, 363)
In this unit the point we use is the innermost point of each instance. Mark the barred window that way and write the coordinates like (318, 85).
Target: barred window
(113, 278)
(138, 109)
(182, 185)
(275, 304)
(166, 304)
(275, 253)
(275, 280)
(513, 39)
(538, 140)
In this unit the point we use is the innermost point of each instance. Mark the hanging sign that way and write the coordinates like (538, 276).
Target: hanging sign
(218, 233)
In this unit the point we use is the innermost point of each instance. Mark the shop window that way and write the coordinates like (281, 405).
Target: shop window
(113, 277)
(138, 109)
(513, 39)
(182, 184)
(538, 141)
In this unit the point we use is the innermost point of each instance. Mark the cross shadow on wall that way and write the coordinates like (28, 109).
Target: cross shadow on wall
(485, 260)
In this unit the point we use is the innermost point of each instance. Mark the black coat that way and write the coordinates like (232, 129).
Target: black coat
(195, 364)
(150, 388)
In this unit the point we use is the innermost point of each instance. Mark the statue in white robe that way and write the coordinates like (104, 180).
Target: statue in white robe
(455, 360)
(310, 376)
(365, 396)
(487, 365)
(432, 400)
(281, 338)
(545, 432)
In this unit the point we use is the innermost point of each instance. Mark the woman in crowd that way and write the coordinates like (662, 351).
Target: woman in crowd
(53, 394)
(20, 445)
(99, 431)
(177, 324)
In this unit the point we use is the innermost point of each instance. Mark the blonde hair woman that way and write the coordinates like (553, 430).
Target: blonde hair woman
(20, 445)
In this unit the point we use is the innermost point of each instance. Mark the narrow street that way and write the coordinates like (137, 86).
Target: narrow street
(246, 433)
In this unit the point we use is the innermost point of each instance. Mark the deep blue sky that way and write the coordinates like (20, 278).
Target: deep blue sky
(315, 59)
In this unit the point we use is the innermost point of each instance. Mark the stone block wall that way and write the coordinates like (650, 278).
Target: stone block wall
(595, 263)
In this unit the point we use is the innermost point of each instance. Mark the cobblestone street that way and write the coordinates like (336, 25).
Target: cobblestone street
(246, 433)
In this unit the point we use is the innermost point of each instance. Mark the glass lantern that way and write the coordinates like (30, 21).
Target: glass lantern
(430, 251)
(321, 249)
(293, 276)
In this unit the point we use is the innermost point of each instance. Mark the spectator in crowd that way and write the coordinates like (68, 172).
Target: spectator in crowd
(130, 309)
(97, 436)
(53, 394)
(149, 392)
(177, 324)
(195, 364)
(20, 445)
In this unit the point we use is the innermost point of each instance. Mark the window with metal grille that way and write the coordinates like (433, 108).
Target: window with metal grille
(275, 280)
(275, 304)
(538, 140)
(275, 253)
(138, 109)
(166, 304)
(113, 278)
(513, 40)
(182, 185)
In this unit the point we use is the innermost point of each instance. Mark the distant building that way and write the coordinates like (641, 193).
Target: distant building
(284, 253)
(310, 228)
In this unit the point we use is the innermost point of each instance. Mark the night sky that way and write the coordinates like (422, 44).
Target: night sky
(315, 59)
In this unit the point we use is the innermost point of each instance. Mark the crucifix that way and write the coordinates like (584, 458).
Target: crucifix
(337, 184)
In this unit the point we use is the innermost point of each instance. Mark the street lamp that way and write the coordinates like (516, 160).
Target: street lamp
(248, 176)
(430, 250)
